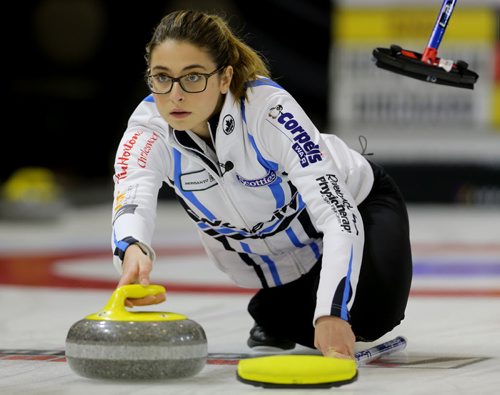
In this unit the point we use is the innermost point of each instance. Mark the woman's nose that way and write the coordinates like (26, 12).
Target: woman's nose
(176, 94)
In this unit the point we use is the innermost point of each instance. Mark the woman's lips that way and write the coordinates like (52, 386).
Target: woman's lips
(179, 114)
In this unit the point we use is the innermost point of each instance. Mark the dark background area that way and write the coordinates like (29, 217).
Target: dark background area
(76, 73)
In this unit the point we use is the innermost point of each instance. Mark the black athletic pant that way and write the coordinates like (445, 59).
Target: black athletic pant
(384, 284)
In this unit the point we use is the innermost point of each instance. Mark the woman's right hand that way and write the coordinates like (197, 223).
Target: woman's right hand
(136, 269)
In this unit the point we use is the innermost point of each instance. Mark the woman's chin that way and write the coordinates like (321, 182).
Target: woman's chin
(179, 124)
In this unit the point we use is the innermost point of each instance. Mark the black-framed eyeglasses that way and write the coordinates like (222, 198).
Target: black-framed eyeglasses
(162, 83)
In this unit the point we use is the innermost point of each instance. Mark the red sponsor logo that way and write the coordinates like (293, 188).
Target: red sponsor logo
(122, 160)
(143, 157)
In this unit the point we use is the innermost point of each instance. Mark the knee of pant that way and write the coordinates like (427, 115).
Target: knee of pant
(253, 306)
(260, 312)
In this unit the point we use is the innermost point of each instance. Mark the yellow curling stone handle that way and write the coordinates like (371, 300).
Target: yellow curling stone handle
(115, 308)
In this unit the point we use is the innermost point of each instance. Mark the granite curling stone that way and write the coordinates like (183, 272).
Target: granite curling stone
(116, 343)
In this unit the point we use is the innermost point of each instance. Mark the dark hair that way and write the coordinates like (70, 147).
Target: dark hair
(212, 33)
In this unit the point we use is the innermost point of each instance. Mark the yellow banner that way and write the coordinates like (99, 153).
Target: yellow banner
(392, 24)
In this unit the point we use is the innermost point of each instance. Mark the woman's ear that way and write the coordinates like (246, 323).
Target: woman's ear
(227, 76)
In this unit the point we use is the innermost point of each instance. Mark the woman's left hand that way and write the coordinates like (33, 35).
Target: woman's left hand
(334, 337)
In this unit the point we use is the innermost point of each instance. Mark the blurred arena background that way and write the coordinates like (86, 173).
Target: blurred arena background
(75, 73)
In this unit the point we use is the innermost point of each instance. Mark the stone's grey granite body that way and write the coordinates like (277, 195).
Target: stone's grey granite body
(135, 350)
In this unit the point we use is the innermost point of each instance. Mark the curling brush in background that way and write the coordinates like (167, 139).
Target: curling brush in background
(427, 66)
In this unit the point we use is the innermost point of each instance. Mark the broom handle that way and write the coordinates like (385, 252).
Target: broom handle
(430, 53)
(388, 347)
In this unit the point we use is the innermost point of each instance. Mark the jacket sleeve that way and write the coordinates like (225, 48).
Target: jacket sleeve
(287, 135)
(140, 166)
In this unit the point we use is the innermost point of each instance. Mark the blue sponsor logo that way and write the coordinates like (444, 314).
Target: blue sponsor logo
(307, 151)
(269, 178)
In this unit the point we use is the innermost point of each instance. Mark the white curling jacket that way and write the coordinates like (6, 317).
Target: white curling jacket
(273, 197)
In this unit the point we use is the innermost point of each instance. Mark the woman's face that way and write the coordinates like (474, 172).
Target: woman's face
(183, 110)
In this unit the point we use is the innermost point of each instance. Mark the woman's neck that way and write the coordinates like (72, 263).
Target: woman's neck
(203, 131)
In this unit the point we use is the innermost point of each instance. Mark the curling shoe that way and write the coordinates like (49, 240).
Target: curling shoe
(261, 340)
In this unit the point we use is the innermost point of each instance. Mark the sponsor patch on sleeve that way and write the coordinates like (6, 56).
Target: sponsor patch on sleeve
(307, 151)
(333, 195)
(125, 202)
